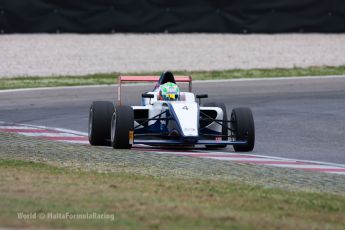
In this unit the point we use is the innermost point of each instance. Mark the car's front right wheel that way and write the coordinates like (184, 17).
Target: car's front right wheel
(122, 126)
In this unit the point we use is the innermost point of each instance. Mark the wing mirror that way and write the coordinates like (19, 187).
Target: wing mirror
(199, 96)
(146, 95)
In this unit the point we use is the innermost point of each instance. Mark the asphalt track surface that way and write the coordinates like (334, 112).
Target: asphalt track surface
(301, 119)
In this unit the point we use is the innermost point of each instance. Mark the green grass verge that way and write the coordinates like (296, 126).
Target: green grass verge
(110, 78)
(156, 202)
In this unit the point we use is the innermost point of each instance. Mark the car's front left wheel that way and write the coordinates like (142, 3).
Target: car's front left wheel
(242, 125)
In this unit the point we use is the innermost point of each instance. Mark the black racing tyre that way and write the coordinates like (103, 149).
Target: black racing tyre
(243, 128)
(122, 126)
(225, 130)
(99, 122)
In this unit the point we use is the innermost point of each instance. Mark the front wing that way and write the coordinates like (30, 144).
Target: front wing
(182, 142)
(155, 135)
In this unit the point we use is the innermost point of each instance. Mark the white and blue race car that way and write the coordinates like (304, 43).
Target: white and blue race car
(184, 122)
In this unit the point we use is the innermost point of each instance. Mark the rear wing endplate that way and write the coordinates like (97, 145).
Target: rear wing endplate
(123, 79)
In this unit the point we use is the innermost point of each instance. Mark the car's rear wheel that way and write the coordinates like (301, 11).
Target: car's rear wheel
(243, 128)
(225, 130)
(99, 122)
(122, 126)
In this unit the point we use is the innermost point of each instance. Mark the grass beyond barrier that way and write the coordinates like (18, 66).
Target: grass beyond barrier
(37, 195)
(110, 78)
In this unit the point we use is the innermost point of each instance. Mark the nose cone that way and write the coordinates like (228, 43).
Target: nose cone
(187, 117)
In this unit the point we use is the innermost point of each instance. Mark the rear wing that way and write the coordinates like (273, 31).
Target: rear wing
(123, 79)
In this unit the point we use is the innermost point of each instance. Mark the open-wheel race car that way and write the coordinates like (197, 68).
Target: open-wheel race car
(168, 117)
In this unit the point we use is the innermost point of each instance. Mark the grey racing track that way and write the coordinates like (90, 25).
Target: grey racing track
(301, 119)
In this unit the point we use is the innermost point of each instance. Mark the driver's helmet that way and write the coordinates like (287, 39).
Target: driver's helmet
(169, 92)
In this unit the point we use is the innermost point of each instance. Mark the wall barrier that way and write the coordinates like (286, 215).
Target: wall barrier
(172, 16)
